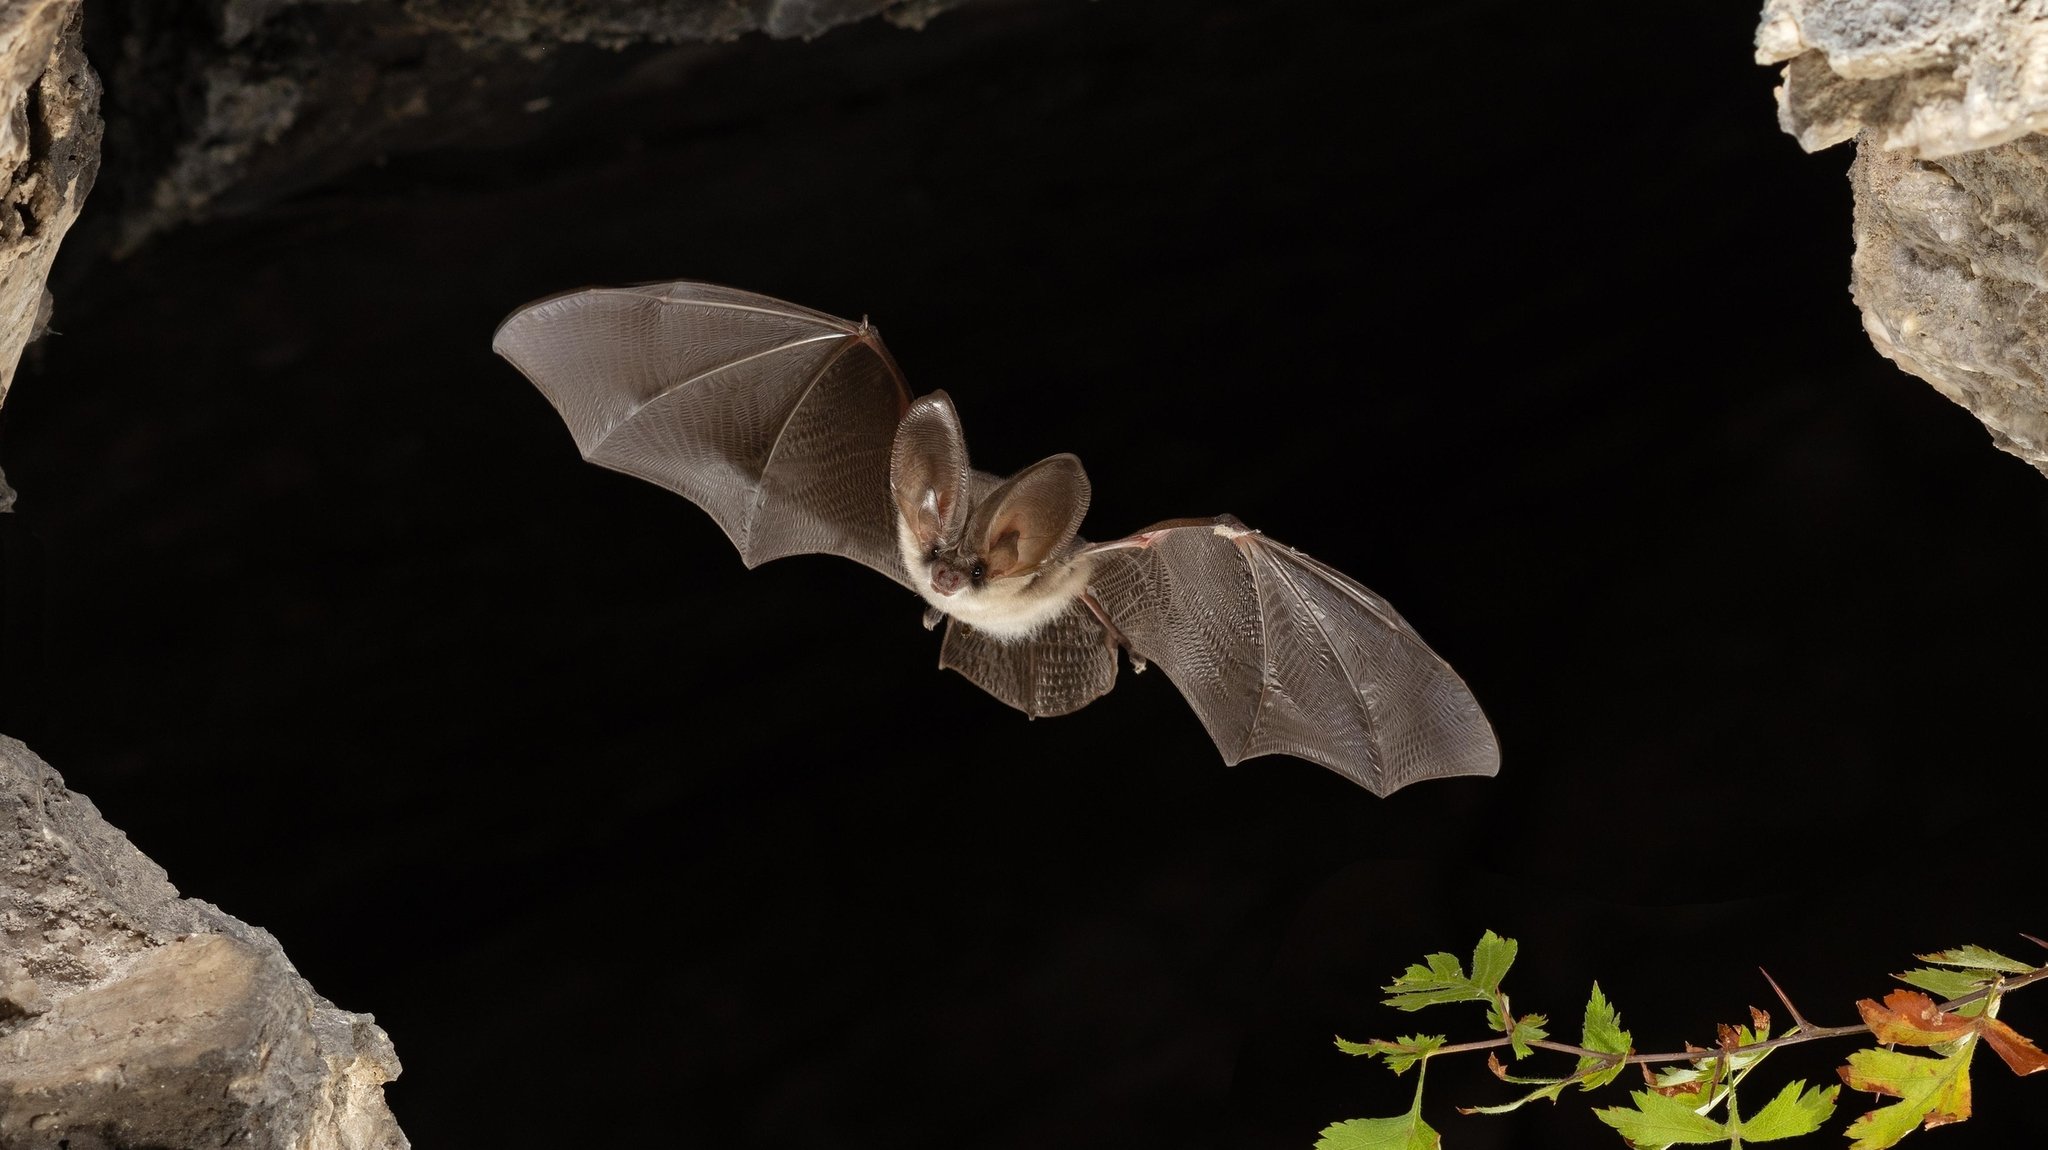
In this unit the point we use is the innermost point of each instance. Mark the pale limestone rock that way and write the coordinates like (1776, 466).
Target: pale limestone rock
(50, 150)
(1932, 77)
(130, 1017)
(1949, 272)
(28, 34)
(1943, 98)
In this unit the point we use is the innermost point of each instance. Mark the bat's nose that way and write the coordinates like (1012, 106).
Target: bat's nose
(946, 581)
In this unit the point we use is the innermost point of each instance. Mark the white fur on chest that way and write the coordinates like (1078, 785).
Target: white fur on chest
(1008, 609)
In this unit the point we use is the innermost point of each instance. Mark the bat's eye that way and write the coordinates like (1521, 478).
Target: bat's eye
(933, 553)
(977, 573)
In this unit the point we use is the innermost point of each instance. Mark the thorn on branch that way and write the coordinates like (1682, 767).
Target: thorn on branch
(1798, 1019)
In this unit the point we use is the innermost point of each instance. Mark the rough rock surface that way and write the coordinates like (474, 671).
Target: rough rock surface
(1932, 77)
(49, 146)
(274, 96)
(130, 1017)
(1949, 272)
(1944, 98)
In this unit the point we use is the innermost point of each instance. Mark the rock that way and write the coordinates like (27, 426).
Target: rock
(50, 146)
(1943, 98)
(130, 1017)
(276, 96)
(1949, 272)
(1931, 77)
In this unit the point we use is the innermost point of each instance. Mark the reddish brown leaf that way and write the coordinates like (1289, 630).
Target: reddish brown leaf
(1728, 1037)
(2018, 1051)
(1910, 1018)
(1494, 1064)
(1759, 1021)
(1694, 1090)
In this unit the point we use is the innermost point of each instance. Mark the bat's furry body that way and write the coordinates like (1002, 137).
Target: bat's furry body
(795, 431)
(1013, 611)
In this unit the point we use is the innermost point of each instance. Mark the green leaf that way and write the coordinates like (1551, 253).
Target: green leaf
(1933, 1090)
(1795, 1111)
(1491, 959)
(1408, 1132)
(1976, 958)
(1441, 980)
(1551, 1092)
(1495, 1020)
(1946, 983)
(1660, 1121)
(1603, 1033)
(1528, 1029)
(1684, 1075)
(1550, 1088)
(1401, 1053)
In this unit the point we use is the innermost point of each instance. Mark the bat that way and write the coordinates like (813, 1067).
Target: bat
(796, 432)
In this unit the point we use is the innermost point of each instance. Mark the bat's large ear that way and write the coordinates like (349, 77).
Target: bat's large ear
(1031, 517)
(928, 470)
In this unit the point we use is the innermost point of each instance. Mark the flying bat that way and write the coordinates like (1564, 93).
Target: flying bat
(796, 432)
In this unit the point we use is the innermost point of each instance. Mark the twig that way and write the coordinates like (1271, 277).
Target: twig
(1803, 1032)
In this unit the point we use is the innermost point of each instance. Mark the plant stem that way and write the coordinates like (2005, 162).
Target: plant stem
(1794, 1038)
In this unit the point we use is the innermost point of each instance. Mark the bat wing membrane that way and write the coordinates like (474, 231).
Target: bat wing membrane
(1061, 669)
(779, 421)
(775, 419)
(1280, 654)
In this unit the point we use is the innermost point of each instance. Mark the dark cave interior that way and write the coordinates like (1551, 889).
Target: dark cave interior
(1530, 319)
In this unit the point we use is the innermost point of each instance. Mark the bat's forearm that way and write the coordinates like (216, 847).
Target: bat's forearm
(1111, 635)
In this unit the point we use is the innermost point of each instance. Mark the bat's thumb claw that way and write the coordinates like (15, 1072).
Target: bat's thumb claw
(932, 615)
(1138, 663)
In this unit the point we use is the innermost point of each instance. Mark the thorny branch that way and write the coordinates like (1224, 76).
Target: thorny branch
(1803, 1031)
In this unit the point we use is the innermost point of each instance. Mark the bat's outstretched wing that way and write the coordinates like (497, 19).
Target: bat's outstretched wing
(775, 419)
(1061, 669)
(1279, 654)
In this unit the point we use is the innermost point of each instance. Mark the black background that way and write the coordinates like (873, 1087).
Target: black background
(1529, 318)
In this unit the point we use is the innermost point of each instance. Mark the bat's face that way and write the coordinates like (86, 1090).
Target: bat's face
(1012, 605)
(949, 570)
(991, 554)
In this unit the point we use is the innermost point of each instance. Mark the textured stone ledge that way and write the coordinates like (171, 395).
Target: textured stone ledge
(131, 1017)
(1944, 99)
